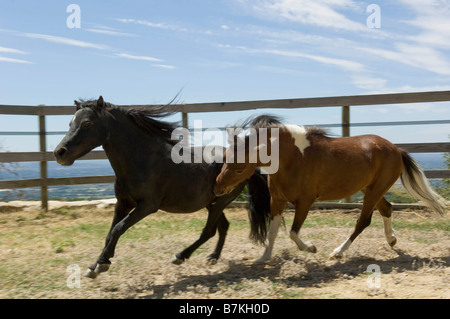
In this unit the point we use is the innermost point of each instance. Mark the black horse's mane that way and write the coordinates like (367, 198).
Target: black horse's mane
(142, 116)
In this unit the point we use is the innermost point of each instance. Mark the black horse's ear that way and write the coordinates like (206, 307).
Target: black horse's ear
(100, 102)
(77, 104)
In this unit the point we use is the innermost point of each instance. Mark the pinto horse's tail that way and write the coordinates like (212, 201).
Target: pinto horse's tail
(259, 206)
(414, 180)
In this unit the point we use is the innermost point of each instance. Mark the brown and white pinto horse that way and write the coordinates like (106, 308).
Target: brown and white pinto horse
(313, 166)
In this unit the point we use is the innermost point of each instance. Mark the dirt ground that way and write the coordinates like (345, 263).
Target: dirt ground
(43, 255)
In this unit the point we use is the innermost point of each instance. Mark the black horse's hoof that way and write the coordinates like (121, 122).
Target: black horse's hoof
(177, 261)
(98, 269)
(102, 268)
(212, 259)
(90, 274)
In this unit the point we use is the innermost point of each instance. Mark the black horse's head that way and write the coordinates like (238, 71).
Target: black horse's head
(87, 131)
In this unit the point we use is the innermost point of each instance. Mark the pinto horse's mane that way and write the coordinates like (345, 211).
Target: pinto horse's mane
(142, 116)
(268, 121)
(261, 121)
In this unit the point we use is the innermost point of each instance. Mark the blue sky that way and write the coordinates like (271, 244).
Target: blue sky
(144, 52)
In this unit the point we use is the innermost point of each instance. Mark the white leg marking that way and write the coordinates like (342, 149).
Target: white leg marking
(299, 135)
(338, 252)
(389, 231)
(273, 231)
(306, 246)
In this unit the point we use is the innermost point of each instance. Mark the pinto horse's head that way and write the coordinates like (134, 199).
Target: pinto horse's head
(87, 131)
(238, 166)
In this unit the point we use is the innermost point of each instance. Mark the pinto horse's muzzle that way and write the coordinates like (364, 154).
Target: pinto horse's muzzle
(220, 191)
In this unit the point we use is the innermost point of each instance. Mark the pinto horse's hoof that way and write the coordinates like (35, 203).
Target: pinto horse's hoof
(261, 261)
(177, 261)
(393, 241)
(310, 247)
(336, 255)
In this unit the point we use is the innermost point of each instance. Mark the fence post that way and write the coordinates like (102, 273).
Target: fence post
(184, 117)
(346, 133)
(345, 121)
(43, 149)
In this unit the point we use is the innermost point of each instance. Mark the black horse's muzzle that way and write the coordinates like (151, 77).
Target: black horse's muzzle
(61, 153)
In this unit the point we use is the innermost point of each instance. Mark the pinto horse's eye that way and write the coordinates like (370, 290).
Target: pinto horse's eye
(86, 124)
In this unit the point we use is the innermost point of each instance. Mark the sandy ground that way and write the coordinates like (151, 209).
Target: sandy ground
(418, 267)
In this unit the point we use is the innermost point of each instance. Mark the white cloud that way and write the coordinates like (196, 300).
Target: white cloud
(11, 50)
(153, 24)
(67, 41)
(340, 63)
(164, 66)
(432, 18)
(320, 13)
(111, 32)
(138, 57)
(367, 82)
(146, 58)
(11, 60)
(415, 55)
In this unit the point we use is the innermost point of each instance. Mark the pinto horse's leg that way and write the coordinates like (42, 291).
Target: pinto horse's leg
(363, 221)
(373, 197)
(276, 210)
(301, 211)
(142, 210)
(385, 209)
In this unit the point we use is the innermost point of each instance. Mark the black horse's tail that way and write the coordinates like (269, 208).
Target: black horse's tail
(259, 206)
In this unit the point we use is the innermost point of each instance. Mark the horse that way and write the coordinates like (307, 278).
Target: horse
(138, 147)
(314, 166)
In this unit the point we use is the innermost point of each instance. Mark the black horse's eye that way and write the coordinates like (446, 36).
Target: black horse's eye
(86, 124)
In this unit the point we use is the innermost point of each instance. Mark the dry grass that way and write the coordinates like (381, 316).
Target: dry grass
(36, 250)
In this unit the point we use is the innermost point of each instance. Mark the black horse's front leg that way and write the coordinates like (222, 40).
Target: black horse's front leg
(118, 227)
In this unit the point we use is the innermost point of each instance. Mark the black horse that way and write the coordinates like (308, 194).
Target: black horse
(139, 148)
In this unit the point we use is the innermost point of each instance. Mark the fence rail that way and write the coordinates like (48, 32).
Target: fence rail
(338, 101)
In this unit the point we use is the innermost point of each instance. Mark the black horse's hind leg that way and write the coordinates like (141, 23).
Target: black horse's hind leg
(117, 229)
(208, 231)
(216, 221)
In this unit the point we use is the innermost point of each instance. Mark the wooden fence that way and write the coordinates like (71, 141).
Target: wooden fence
(345, 102)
